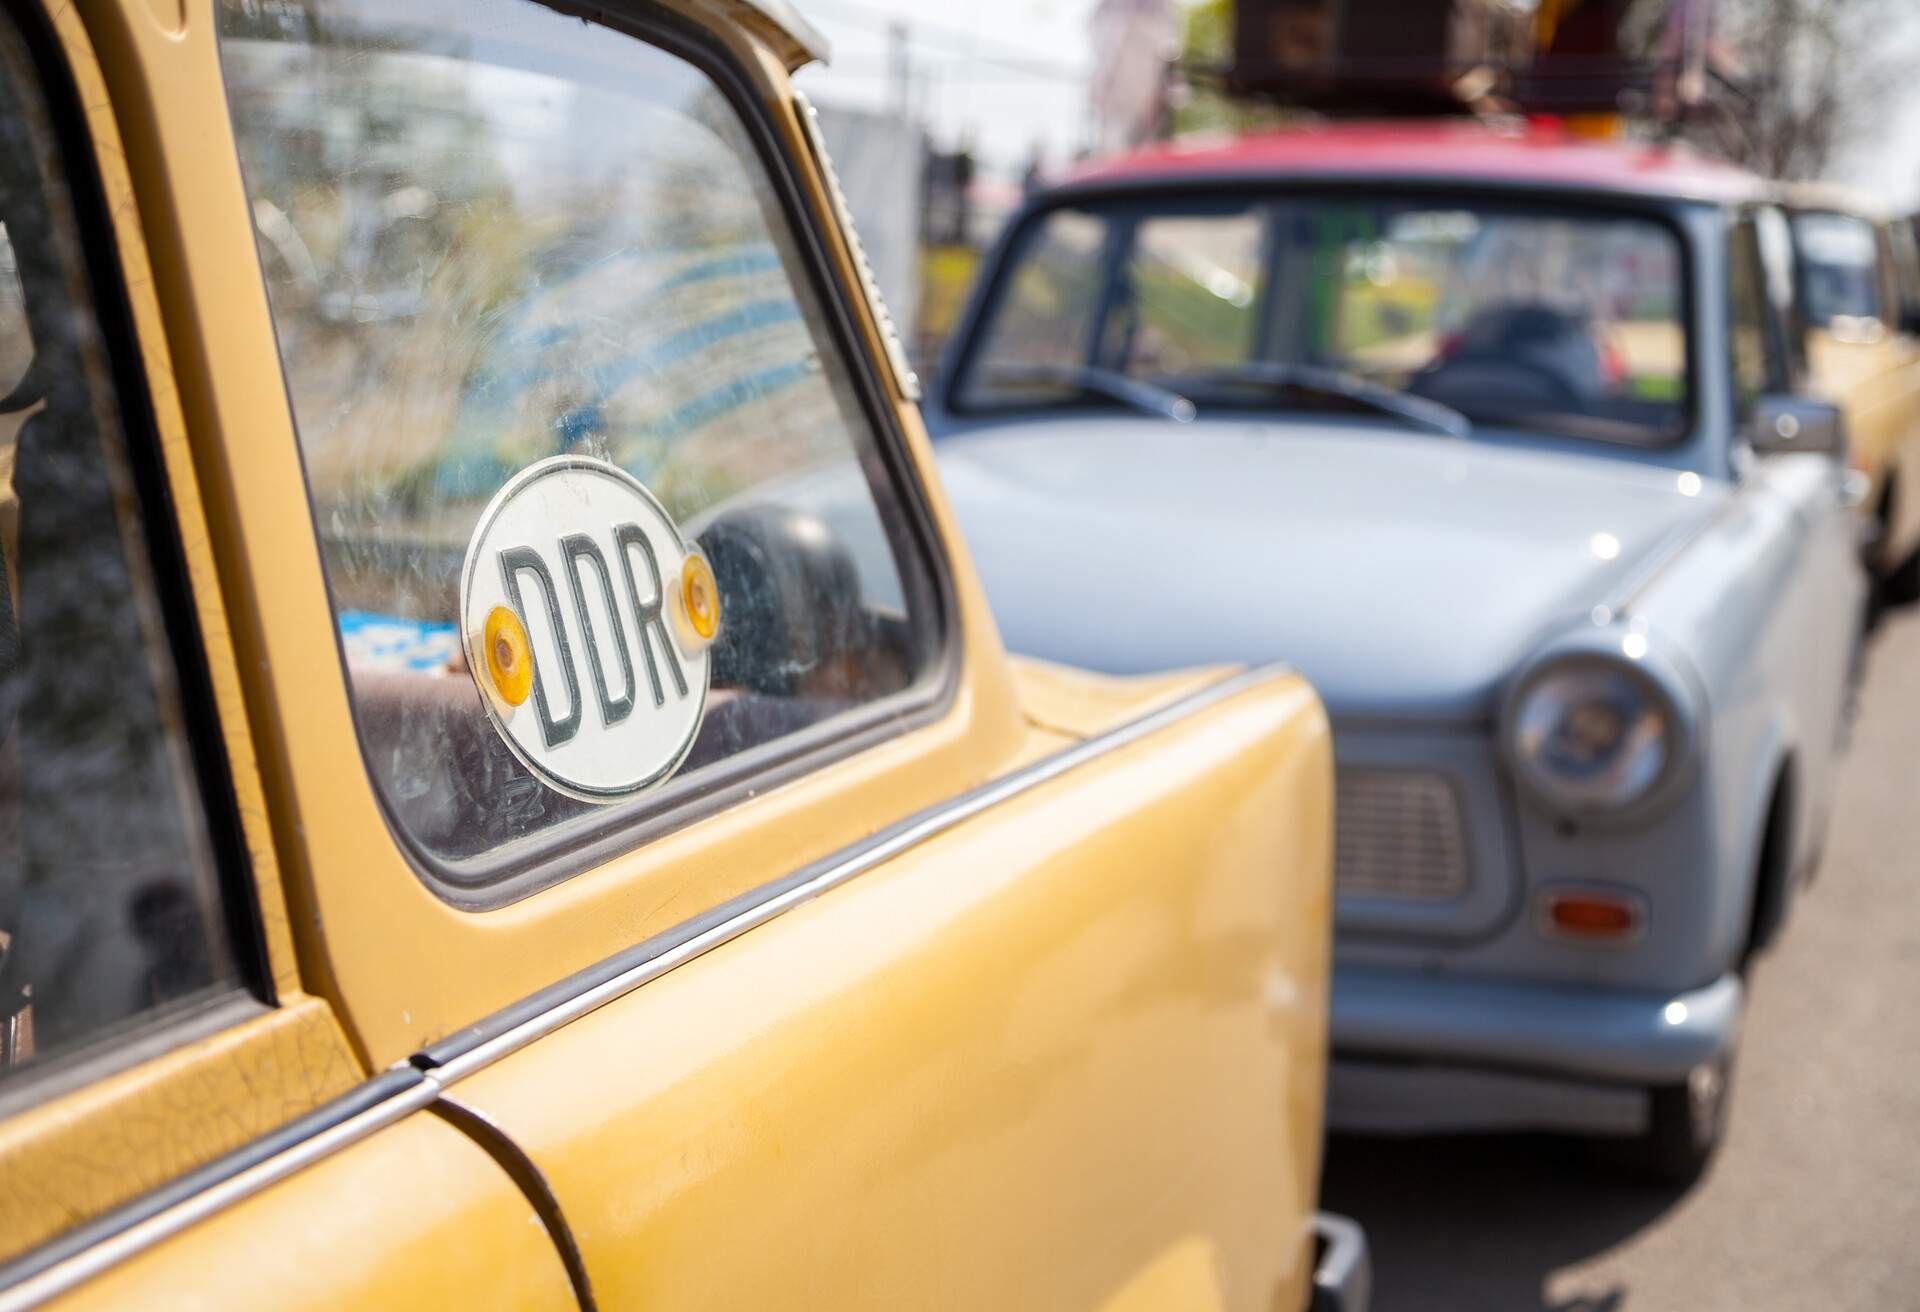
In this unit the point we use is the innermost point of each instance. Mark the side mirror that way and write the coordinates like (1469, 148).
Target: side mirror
(1783, 424)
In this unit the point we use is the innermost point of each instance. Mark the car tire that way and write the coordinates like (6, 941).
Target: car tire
(1686, 1123)
(1900, 586)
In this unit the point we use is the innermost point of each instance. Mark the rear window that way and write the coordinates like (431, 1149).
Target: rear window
(1839, 268)
(494, 238)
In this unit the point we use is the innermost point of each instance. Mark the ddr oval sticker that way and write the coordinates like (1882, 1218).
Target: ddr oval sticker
(587, 620)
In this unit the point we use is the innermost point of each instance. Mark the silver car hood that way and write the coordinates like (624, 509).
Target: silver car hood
(1404, 574)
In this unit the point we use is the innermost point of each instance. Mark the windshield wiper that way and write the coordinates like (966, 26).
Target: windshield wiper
(1330, 384)
(1147, 398)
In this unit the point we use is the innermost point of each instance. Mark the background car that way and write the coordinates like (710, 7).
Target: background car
(1498, 436)
(1859, 277)
(475, 830)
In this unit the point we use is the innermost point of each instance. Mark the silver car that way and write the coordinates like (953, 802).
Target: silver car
(1499, 438)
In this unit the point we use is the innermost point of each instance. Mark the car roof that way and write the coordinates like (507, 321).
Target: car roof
(1518, 153)
(1828, 197)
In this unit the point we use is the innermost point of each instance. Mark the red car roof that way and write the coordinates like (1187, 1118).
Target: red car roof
(1463, 149)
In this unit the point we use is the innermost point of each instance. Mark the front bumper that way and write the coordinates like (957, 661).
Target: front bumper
(1342, 1268)
(1417, 1053)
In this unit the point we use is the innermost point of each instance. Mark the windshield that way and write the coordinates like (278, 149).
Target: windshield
(1564, 321)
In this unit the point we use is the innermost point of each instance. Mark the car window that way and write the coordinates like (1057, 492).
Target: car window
(111, 910)
(1840, 275)
(1045, 319)
(1564, 321)
(495, 236)
(1190, 289)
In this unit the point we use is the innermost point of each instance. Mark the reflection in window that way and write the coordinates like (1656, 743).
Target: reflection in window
(1191, 284)
(493, 234)
(109, 904)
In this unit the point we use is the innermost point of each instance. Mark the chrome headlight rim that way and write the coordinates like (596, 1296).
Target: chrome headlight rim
(1662, 688)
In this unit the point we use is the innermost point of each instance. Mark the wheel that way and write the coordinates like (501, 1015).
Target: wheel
(1900, 586)
(1685, 1124)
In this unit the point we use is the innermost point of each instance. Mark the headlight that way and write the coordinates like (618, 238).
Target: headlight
(1590, 735)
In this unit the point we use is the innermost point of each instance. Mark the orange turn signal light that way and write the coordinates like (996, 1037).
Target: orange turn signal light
(1592, 915)
(508, 654)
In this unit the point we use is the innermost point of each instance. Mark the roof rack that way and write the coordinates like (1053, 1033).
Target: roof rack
(1648, 59)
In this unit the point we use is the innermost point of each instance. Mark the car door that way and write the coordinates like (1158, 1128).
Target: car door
(159, 1053)
(1821, 594)
(813, 951)
(1902, 259)
(1865, 360)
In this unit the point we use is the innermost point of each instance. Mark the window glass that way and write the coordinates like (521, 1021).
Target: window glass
(1565, 322)
(494, 234)
(1839, 270)
(110, 909)
(1044, 321)
(1190, 289)
(1750, 313)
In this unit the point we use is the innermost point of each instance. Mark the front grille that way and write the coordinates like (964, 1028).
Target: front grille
(1398, 834)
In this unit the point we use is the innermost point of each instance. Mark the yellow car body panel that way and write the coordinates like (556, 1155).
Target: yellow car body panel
(1067, 1048)
(386, 935)
(1078, 703)
(1876, 383)
(1070, 1051)
(77, 1156)
(417, 1217)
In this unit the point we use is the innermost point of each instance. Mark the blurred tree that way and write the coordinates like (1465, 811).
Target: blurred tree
(1813, 74)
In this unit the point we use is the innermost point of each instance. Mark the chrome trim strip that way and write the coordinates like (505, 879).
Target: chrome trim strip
(142, 1232)
(139, 1226)
(903, 375)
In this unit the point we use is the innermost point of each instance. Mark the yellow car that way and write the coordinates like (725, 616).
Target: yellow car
(510, 795)
(1860, 299)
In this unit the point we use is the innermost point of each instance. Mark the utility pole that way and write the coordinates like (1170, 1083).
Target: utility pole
(899, 61)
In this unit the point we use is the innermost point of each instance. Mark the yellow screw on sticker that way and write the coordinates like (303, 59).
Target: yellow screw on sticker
(700, 597)
(508, 655)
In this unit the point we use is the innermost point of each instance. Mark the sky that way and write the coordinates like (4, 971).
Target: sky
(1885, 163)
(1011, 74)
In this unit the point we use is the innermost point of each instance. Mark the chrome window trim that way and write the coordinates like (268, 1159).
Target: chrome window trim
(94, 1247)
(903, 375)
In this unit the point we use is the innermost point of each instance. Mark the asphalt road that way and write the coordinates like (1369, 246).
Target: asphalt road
(1813, 1201)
